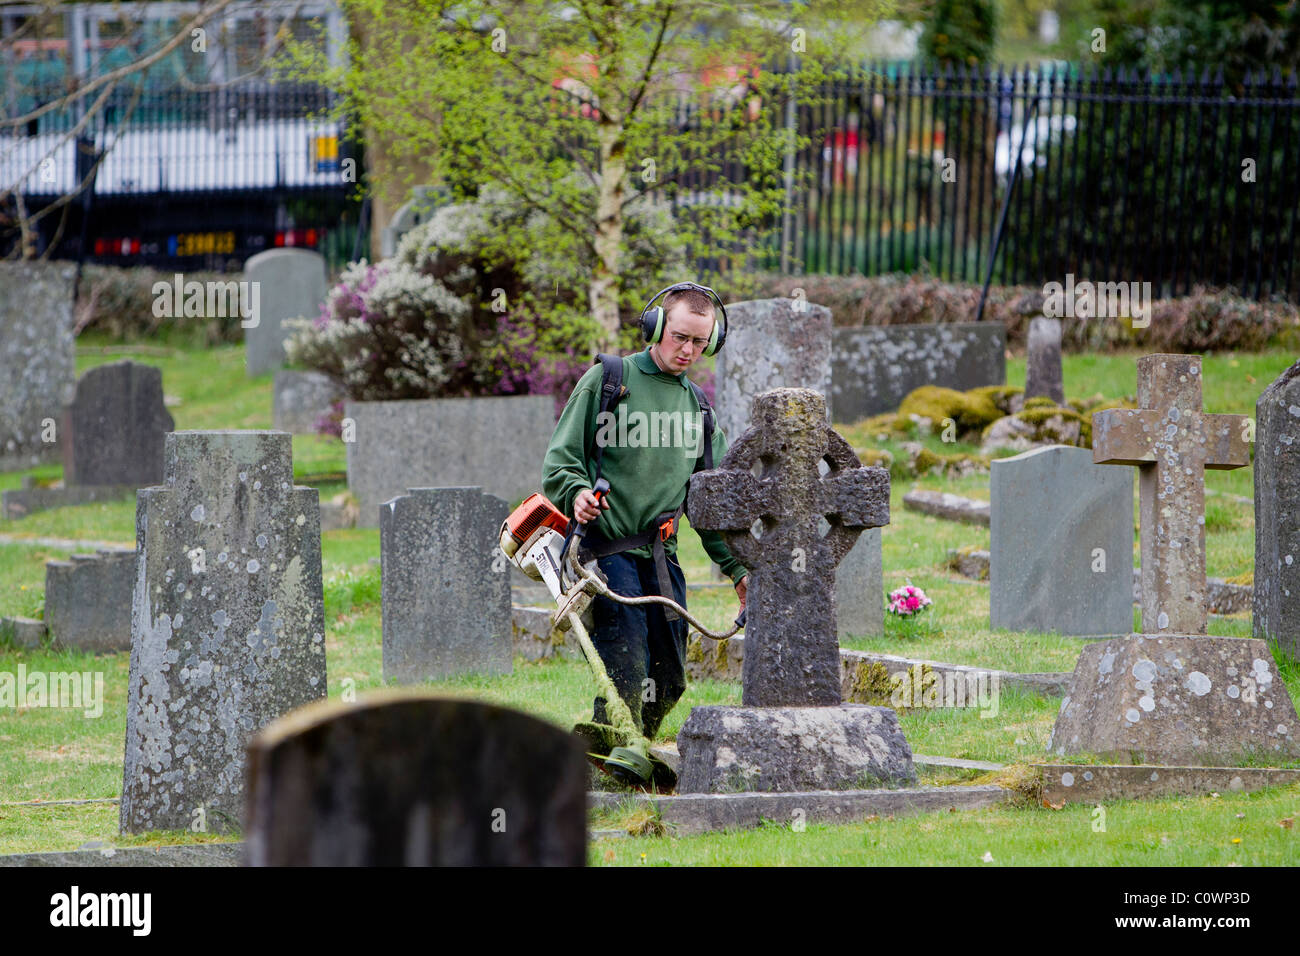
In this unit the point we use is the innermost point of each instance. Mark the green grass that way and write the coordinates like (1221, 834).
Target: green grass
(1175, 831)
(51, 753)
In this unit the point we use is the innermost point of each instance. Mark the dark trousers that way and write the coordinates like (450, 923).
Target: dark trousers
(643, 652)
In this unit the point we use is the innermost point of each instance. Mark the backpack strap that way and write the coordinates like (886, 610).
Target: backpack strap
(707, 410)
(611, 390)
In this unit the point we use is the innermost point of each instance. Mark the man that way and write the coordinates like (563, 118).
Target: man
(651, 448)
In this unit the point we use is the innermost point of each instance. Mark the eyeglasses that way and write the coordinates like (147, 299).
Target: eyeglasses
(681, 339)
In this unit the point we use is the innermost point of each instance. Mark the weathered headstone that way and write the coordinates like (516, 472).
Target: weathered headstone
(37, 359)
(114, 428)
(1061, 544)
(494, 442)
(299, 400)
(88, 601)
(860, 589)
(874, 367)
(1277, 513)
(401, 780)
(771, 343)
(793, 731)
(446, 585)
(1173, 695)
(1043, 364)
(290, 284)
(228, 623)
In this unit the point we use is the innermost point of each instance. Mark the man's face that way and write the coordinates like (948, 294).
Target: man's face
(686, 333)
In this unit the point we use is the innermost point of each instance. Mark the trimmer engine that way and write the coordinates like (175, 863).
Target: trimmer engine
(533, 538)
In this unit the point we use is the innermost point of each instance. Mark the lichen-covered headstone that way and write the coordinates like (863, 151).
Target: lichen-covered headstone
(790, 498)
(1043, 361)
(415, 780)
(1277, 512)
(115, 427)
(228, 623)
(1061, 544)
(446, 585)
(37, 359)
(290, 284)
(1172, 694)
(771, 343)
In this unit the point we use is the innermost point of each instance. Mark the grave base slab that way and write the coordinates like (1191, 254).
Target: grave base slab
(1094, 783)
(1177, 699)
(783, 749)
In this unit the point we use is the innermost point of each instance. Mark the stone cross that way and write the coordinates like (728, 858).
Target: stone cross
(792, 479)
(1171, 441)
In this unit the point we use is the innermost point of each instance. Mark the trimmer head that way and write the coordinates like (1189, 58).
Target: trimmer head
(630, 766)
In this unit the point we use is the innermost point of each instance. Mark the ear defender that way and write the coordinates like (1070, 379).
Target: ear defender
(653, 318)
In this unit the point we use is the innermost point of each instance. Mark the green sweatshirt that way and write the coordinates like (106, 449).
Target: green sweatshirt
(653, 444)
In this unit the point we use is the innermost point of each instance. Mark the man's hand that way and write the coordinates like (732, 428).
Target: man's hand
(742, 589)
(585, 508)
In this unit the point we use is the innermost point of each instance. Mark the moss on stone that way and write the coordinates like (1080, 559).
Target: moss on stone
(1039, 401)
(959, 463)
(999, 395)
(967, 409)
(871, 684)
(1246, 578)
(876, 457)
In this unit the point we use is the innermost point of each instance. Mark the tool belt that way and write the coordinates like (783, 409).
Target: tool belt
(661, 529)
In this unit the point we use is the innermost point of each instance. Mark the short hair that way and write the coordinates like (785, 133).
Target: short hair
(696, 301)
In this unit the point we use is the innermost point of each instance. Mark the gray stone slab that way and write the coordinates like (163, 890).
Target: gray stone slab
(299, 400)
(23, 632)
(495, 443)
(1177, 699)
(1060, 544)
(1043, 375)
(204, 854)
(779, 749)
(1094, 783)
(415, 780)
(690, 814)
(929, 760)
(876, 366)
(37, 359)
(942, 504)
(1276, 610)
(228, 623)
(20, 502)
(856, 682)
(808, 522)
(860, 589)
(114, 427)
(1171, 442)
(88, 601)
(973, 564)
(446, 586)
(291, 283)
(1221, 597)
(770, 345)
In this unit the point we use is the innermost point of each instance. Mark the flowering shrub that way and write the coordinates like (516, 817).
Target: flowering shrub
(908, 601)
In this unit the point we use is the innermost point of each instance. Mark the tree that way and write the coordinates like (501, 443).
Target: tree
(576, 111)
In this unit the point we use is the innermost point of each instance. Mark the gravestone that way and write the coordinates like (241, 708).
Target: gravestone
(771, 343)
(1276, 609)
(37, 359)
(406, 780)
(495, 442)
(299, 400)
(1172, 694)
(860, 589)
(1043, 361)
(88, 601)
(228, 623)
(1061, 544)
(791, 526)
(446, 585)
(114, 428)
(874, 367)
(290, 284)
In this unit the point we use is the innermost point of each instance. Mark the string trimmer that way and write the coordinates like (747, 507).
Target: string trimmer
(536, 538)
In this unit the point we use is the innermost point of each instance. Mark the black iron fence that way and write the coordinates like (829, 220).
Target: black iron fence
(1176, 180)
